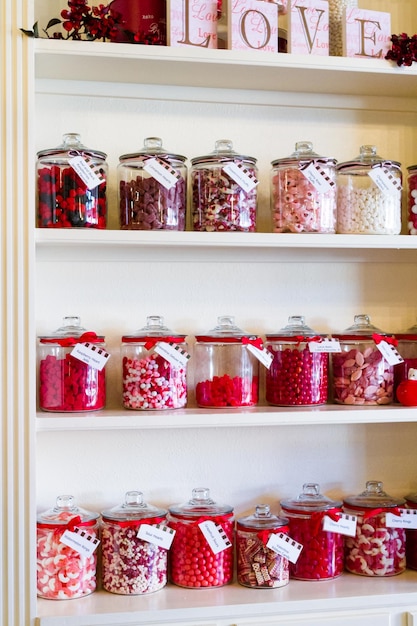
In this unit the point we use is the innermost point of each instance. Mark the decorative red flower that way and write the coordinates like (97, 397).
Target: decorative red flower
(403, 50)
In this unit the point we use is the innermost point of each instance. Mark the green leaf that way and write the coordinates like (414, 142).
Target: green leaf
(53, 22)
(29, 33)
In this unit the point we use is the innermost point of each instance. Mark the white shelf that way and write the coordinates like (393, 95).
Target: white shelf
(232, 418)
(197, 67)
(172, 604)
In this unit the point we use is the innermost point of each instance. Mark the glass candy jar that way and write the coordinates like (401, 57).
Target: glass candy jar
(412, 199)
(144, 22)
(226, 372)
(297, 375)
(133, 564)
(407, 348)
(361, 375)
(224, 192)
(202, 552)
(376, 549)
(67, 383)
(369, 195)
(321, 557)
(152, 377)
(71, 186)
(258, 566)
(411, 535)
(303, 192)
(152, 188)
(64, 573)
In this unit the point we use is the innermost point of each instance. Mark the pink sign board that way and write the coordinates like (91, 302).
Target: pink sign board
(253, 25)
(366, 33)
(308, 22)
(192, 23)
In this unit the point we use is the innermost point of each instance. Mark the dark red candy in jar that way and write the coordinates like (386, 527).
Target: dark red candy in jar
(72, 371)
(152, 188)
(321, 556)
(134, 552)
(407, 348)
(143, 22)
(226, 371)
(224, 190)
(298, 375)
(259, 566)
(361, 374)
(202, 553)
(71, 186)
(411, 534)
(63, 570)
(412, 199)
(377, 549)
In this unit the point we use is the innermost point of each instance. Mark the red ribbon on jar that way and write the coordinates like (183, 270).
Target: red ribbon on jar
(264, 535)
(317, 517)
(301, 339)
(151, 343)
(74, 522)
(374, 512)
(253, 341)
(378, 338)
(134, 523)
(64, 342)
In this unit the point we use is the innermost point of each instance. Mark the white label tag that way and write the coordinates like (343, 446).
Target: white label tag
(241, 175)
(215, 536)
(162, 172)
(317, 176)
(285, 546)
(389, 353)
(158, 534)
(264, 356)
(408, 519)
(345, 525)
(172, 353)
(385, 181)
(90, 354)
(326, 345)
(80, 541)
(85, 171)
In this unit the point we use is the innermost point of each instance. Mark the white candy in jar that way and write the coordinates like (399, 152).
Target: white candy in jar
(336, 16)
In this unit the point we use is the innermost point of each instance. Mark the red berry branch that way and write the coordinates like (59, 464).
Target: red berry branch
(403, 50)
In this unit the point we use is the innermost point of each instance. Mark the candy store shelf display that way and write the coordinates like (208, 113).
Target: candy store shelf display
(115, 95)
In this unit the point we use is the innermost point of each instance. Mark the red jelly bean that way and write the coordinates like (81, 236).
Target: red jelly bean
(224, 391)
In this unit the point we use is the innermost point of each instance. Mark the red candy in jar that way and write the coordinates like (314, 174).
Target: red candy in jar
(303, 192)
(407, 389)
(224, 190)
(258, 566)
(411, 535)
(376, 549)
(202, 552)
(67, 383)
(361, 375)
(321, 557)
(64, 572)
(412, 199)
(144, 22)
(134, 559)
(298, 375)
(407, 348)
(71, 186)
(154, 362)
(152, 188)
(226, 372)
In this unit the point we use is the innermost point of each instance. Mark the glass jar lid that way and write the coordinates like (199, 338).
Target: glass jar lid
(296, 329)
(310, 501)
(66, 511)
(262, 519)
(223, 152)
(71, 329)
(133, 508)
(152, 147)
(374, 497)
(362, 328)
(367, 159)
(303, 153)
(200, 505)
(154, 328)
(71, 146)
(408, 334)
(225, 331)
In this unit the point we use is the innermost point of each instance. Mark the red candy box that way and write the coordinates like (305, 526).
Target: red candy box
(67, 383)
(321, 557)
(202, 552)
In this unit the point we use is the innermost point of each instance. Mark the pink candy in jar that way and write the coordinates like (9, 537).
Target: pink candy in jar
(154, 362)
(298, 374)
(259, 566)
(226, 372)
(202, 552)
(376, 549)
(63, 572)
(134, 563)
(321, 556)
(303, 192)
(152, 188)
(224, 190)
(412, 199)
(361, 375)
